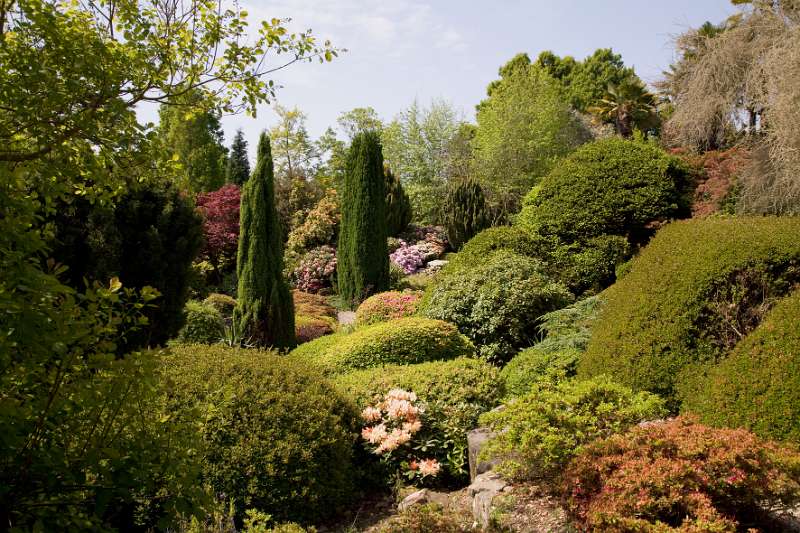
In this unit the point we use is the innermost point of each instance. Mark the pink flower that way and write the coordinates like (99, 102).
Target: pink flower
(371, 414)
(412, 427)
(375, 434)
(429, 467)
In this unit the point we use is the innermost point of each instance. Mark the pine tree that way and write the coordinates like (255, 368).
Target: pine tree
(265, 310)
(238, 170)
(363, 259)
(464, 212)
(398, 205)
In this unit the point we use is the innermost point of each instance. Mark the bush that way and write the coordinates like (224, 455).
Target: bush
(319, 228)
(569, 328)
(757, 386)
(455, 392)
(681, 476)
(534, 367)
(482, 245)
(497, 304)
(464, 212)
(608, 187)
(398, 204)
(220, 210)
(314, 318)
(690, 296)
(316, 270)
(204, 324)
(537, 434)
(279, 439)
(401, 341)
(425, 519)
(387, 306)
(223, 303)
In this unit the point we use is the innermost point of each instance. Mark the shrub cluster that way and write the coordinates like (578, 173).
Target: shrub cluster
(401, 341)
(223, 303)
(757, 386)
(279, 438)
(538, 433)
(681, 476)
(203, 325)
(497, 304)
(314, 316)
(315, 271)
(387, 306)
(690, 296)
(319, 228)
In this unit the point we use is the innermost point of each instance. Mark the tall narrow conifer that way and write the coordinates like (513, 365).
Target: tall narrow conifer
(363, 259)
(265, 311)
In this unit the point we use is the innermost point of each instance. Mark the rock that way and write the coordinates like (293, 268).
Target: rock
(347, 318)
(437, 263)
(483, 491)
(422, 497)
(475, 442)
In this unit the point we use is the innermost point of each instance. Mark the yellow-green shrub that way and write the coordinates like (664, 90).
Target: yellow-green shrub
(690, 296)
(204, 324)
(279, 439)
(222, 303)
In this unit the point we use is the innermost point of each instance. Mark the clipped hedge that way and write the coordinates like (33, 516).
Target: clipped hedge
(455, 392)
(533, 367)
(689, 296)
(277, 436)
(387, 306)
(488, 241)
(497, 304)
(401, 341)
(204, 324)
(757, 386)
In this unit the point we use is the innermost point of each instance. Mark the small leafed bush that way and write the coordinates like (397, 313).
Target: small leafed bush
(482, 245)
(497, 304)
(204, 324)
(319, 228)
(279, 438)
(534, 366)
(402, 341)
(757, 386)
(681, 476)
(425, 519)
(387, 306)
(538, 433)
(222, 303)
(570, 328)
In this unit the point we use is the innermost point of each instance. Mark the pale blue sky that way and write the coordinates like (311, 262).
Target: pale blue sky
(405, 49)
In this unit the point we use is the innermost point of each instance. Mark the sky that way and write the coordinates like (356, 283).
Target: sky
(401, 50)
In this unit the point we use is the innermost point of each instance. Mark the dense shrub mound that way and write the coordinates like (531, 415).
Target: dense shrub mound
(534, 366)
(482, 245)
(277, 436)
(454, 392)
(496, 304)
(401, 341)
(680, 476)
(758, 385)
(387, 306)
(538, 433)
(221, 302)
(690, 296)
(314, 316)
(204, 324)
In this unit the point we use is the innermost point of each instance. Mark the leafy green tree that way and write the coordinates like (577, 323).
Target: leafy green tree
(363, 257)
(333, 152)
(630, 106)
(264, 310)
(359, 119)
(238, 170)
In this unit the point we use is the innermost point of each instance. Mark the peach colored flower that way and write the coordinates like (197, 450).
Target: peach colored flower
(413, 465)
(374, 434)
(413, 426)
(400, 394)
(371, 414)
(400, 409)
(429, 467)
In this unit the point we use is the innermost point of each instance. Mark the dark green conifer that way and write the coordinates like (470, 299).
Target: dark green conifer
(265, 310)
(464, 212)
(238, 170)
(362, 257)
(398, 205)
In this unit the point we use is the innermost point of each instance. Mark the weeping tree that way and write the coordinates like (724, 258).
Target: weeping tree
(363, 258)
(265, 311)
(464, 212)
(398, 205)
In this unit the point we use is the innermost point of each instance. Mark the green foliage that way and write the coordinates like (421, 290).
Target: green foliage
(757, 386)
(320, 228)
(398, 205)
(608, 187)
(464, 212)
(424, 519)
(223, 303)
(496, 304)
(538, 433)
(363, 260)
(204, 324)
(482, 245)
(690, 296)
(570, 328)
(455, 392)
(535, 367)
(681, 476)
(238, 168)
(387, 306)
(264, 311)
(279, 438)
(402, 341)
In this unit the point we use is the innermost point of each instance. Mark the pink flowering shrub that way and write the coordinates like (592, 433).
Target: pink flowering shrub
(432, 234)
(386, 306)
(390, 427)
(409, 257)
(315, 270)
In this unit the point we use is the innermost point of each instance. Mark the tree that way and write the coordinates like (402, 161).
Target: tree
(464, 212)
(398, 206)
(333, 153)
(363, 257)
(220, 227)
(264, 307)
(238, 170)
(359, 120)
(629, 105)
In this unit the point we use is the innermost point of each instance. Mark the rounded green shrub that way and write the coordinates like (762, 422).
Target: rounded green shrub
(757, 386)
(221, 302)
(533, 367)
(402, 341)
(204, 324)
(387, 306)
(277, 436)
(455, 393)
(477, 249)
(690, 296)
(496, 304)
(608, 187)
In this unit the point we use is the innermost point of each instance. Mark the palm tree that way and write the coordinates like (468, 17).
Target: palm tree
(628, 105)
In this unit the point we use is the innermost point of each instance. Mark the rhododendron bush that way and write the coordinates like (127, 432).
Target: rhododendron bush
(315, 270)
(681, 476)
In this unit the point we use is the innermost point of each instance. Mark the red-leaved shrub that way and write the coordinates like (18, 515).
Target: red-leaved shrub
(387, 306)
(680, 475)
(717, 179)
(220, 210)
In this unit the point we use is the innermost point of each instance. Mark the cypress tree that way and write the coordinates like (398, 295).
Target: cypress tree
(398, 205)
(464, 212)
(238, 170)
(265, 310)
(362, 257)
